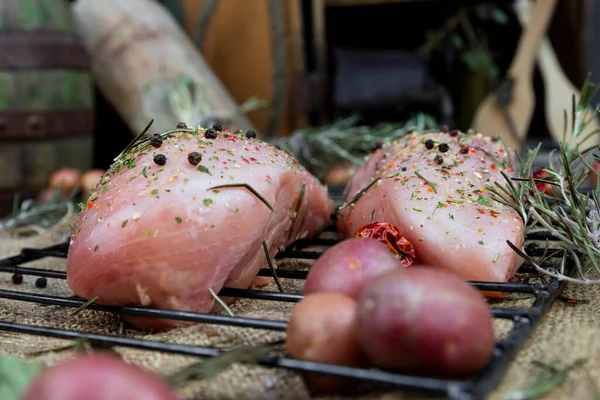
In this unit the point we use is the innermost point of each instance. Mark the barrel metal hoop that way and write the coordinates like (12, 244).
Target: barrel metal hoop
(42, 50)
(35, 125)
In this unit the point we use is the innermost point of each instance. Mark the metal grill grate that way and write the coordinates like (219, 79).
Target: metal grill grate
(524, 320)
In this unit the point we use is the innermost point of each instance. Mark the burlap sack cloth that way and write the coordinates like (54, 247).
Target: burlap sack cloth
(568, 333)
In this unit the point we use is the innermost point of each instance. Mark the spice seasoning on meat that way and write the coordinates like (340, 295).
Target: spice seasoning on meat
(194, 158)
(438, 159)
(210, 134)
(160, 159)
(156, 140)
(443, 147)
(218, 127)
(429, 144)
(389, 235)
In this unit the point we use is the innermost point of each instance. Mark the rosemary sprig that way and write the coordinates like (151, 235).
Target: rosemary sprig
(246, 186)
(83, 306)
(221, 302)
(319, 149)
(214, 366)
(271, 265)
(567, 213)
(551, 378)
(433, 185)
(298, 205)
(360, 194)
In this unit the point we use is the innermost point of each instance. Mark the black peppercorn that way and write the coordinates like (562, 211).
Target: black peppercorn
(438, 159)
(41, 282)
(403, 169)
(156, 140)
(444, 128)
(464, 150)
(495, 138)
(454, 132)
(17, 279)
(429, 144)
(194, 158)
(160, 159)
(443, 147)
(181, 125)
(218, 127)
(250, 134)
(210, 134)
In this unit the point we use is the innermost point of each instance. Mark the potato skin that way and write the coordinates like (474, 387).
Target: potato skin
(321, 329)
(349, 266)
(97, 377)
(426, 321)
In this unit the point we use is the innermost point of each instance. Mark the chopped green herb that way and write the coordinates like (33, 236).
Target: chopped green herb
(154, 192)
(417, 210)
(481, 242)
(144, 173)
(202, 168)
(207, 202)
(496, 257)
(237, 210)
(124, 223)
(96, 248)
(483, 201)
(452, 217)
(178, 220)
(148, 233)
(186, 180)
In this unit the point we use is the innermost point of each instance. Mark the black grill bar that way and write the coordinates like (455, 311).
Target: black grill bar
(373, 376)
(148, 312)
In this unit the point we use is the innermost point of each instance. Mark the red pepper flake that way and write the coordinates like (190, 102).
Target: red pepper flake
(256, 148)
(493, 166)
(245, 160)
(390, 165)
(253, 159)
(430, 190)
(90, 204)
(501, 150)
(472, 150)
(397, 179)
(246, 149)
(269, 177)
(481, 211)
(509, 169)
(224, 162)
(350, 222)
(389, 235)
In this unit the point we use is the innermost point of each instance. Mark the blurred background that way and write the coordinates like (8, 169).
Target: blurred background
(327, 79)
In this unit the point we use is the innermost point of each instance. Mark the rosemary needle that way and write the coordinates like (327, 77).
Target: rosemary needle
(221, 302)
(247, 186)
(271, 265)
(83, 306)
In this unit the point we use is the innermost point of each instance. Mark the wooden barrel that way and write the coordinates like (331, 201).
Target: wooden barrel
(46, 96)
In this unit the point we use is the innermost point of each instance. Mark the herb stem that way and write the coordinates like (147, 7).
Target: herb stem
(433, 185)
(298, 206)
(271, 265)
(221, 302)
(246, 186)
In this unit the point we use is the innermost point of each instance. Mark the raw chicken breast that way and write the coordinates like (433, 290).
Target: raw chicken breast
(154, 233)
(435, 188)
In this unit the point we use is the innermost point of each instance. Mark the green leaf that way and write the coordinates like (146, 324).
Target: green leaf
(16, 375)
(202, 168)
(207, 202)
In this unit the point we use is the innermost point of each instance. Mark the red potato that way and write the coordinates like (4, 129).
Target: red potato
(349, 266)
(321, 329)
(89, 179)
(98, 377)
(65, 178)
(426, 321)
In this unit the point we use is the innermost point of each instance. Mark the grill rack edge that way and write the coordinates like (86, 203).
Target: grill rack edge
(524, 322)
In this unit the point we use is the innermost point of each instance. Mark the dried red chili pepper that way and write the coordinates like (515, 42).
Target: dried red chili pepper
(542, 186)
(392, 238)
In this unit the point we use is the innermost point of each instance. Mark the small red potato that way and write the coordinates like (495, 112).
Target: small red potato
(349, 266)
(98, 377)
(321, 329)
(425, 321)
(65, 178)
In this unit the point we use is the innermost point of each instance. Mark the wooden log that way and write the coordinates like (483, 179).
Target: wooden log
(46, 98)
(141, 56)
